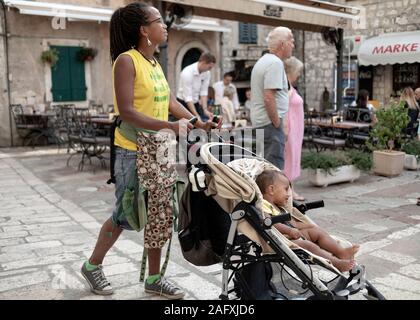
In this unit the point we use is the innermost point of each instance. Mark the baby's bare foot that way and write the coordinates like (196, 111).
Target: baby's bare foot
(350, 252)
(344, 265)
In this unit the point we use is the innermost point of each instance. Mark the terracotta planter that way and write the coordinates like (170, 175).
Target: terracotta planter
(321, 178)
(388, 163)
(411, 162)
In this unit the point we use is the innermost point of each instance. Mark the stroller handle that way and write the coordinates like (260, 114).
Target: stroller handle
(309, 205)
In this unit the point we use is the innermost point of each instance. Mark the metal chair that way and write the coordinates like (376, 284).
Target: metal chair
(29, 131)
(92, 144)
(322, 138)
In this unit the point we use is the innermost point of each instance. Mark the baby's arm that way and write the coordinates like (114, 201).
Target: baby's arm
(286, 230)
(301, 225)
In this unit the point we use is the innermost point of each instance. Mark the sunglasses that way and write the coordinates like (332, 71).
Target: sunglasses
(160, 20)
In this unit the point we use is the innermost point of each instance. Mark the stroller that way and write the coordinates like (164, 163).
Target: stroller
(254, 253)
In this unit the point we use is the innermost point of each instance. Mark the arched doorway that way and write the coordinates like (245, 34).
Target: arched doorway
(182, 57)
(190, 57)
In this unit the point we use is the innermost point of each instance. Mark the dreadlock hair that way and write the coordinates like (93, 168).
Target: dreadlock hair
(124, 30)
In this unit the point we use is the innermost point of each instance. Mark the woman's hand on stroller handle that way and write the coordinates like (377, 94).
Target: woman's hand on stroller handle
(215, 123)
(181, 127)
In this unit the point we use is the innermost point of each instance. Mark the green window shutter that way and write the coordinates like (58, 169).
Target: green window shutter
(77, 75)
(61, 89)
(253, 34)
(68, 76)
(248, 33)
(243, 32)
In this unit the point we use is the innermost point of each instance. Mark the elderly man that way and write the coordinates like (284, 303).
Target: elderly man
(219, 89)
(269, 93)
(193, 86)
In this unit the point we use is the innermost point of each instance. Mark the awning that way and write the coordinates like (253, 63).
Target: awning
(198, 24)
(390, 48)
(302, 14)
(60, 10)
(71, 12)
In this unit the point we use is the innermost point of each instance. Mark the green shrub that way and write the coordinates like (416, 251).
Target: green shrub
(50, 56)
(86, 54)
(412, 147)
(329, 161)
(326, 161)
(361, 160)
(388, 131)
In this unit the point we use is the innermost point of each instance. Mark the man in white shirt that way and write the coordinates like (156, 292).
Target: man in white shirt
(220, 86)
(193, 86)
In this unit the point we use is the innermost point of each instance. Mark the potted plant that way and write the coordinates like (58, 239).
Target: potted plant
(50, 56)
(334, 167)
(386, 137)
(412, 155)
(87, 54)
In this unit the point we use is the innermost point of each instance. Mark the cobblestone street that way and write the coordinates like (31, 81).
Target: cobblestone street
(50, 216)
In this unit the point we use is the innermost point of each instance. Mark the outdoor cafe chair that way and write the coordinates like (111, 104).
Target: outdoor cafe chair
(30, 130)
(322, 133)
(92, 144)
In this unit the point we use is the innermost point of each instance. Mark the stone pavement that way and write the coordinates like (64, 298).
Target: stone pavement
(50, 216)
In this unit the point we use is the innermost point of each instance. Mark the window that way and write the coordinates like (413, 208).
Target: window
(248, 33)
(68, 76)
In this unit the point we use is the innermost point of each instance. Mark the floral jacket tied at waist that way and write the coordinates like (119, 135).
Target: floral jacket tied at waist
(157, 174)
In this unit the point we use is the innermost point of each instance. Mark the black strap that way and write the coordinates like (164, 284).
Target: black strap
(115, 124)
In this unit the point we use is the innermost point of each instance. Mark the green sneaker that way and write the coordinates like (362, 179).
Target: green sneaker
(97, 280)
(163, 287)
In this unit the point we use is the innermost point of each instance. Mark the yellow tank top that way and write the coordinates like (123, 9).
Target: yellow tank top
(151, 94)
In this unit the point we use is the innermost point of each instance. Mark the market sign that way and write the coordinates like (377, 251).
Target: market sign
(396, 48)
(391, 48)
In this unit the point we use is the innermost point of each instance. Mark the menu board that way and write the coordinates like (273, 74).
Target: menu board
(405, 75)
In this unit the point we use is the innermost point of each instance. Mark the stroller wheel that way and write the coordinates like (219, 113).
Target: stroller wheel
(372, 292)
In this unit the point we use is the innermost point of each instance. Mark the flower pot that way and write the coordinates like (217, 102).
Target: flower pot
(322, 178)
(411, 162)
(388, 163)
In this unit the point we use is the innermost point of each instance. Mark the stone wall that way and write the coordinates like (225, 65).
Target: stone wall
(320, 62)
(385, 16)
(251, 53)
(27, 72)
(4, 101)
(233, 51)
(25, 48)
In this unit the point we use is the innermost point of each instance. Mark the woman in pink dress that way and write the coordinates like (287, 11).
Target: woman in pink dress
(294, 125)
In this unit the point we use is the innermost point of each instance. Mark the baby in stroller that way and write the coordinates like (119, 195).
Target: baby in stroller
(274, 186)
(256, 256)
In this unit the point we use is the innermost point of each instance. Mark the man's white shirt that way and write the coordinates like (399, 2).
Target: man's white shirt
(219, 89)
(192, 84)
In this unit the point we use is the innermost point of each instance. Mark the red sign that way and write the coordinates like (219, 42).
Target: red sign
(396, 48)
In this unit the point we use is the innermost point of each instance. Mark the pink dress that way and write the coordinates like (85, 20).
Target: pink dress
(293, 148)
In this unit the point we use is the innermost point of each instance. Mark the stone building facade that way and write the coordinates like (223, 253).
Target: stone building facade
(380, 17)
(31, 80)
(236, 56)
(240, 58)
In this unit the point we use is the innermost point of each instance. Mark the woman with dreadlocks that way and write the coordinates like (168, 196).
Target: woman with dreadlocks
(142, 100)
